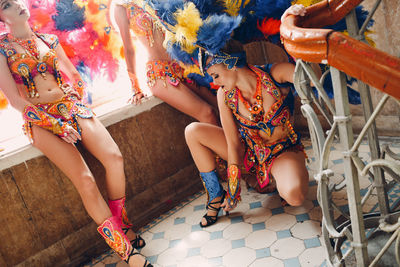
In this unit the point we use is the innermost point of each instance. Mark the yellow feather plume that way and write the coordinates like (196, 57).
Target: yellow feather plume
(188, 24)
(305, 2)
(169, 39)
(232, 7)
(190, 69)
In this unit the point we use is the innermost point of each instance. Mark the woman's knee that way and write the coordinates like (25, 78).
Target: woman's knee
(294, 195)
(191, 130)
(113, 158)
(207, 114)
(86, 184)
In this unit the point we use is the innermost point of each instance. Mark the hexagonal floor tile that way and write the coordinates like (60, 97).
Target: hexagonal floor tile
(306, 229)
(287, 248)
(155, 247)
(260, 239)
(312, 257)
(237, 231)
(196, 239)
(272, 202)
(304, 208)
(269, 261)
(178, 231)
(239, 257)
(280, 222)
(171, 256)
(257, 215)
(216, 248)
(316, 214)
(195, 261)
(221, 224)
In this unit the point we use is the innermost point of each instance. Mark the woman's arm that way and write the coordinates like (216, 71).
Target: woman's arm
(284, 72)
(8, 86)
(69, 69)
(122, 20)
(235, 152)
(235, 147)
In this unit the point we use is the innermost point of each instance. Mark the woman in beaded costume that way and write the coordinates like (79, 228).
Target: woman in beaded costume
(256, 102)
(55, 119)
(164, 76)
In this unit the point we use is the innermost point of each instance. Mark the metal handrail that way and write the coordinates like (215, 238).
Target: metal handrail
(347, 54)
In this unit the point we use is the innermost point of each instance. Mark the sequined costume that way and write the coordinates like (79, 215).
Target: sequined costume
(168, 71)
(259, 154)
(65, 110)
(143, 24)
(24, 68)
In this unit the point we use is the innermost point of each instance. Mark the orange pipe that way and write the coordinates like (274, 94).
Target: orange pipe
(353, 57)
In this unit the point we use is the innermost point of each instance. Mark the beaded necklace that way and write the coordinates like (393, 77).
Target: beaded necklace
(28, 44)
(256, 110)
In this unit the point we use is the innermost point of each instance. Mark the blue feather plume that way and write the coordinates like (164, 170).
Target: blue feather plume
(165, 9)
(175, 51)
(271, 8)
(247, 31)
(201, 80)
(216, 31)
(69, 16)
(208, 7)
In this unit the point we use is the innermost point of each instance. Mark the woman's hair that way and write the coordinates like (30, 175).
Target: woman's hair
(233, 47)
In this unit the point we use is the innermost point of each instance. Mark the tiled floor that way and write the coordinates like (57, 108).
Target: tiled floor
(260, 232)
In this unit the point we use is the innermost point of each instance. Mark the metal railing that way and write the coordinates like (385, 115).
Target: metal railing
(350, 226)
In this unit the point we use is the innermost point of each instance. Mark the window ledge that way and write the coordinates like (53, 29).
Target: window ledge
(27, 152)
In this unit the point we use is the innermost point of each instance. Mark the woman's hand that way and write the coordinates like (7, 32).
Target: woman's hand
(70, 135)
(69, 90)
(297, 10)
(226, 207)
(137, 92)
(136, 98)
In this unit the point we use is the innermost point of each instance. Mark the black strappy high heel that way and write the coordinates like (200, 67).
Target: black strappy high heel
(213, 219)
(135, 242)
(133, 253)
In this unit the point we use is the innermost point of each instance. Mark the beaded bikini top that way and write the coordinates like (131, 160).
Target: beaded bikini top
(277, 115)
(24, 66)
(141, 22)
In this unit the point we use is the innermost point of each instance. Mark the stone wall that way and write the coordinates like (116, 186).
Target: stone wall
(43, 220)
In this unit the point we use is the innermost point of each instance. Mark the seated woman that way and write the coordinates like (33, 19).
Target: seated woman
(164, 76)
(55, 119)
(257, 103)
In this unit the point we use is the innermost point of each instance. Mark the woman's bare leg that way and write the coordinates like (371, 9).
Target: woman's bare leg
(204, 141)
(185, 100)
(68, 159)
(99, 142)
(290, 173)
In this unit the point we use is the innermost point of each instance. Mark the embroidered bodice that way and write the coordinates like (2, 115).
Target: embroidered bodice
(24, 66)
(260, 154)
(277, 115)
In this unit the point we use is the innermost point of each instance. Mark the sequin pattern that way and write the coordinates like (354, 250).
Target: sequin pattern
(167, 71)
(260, 155)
